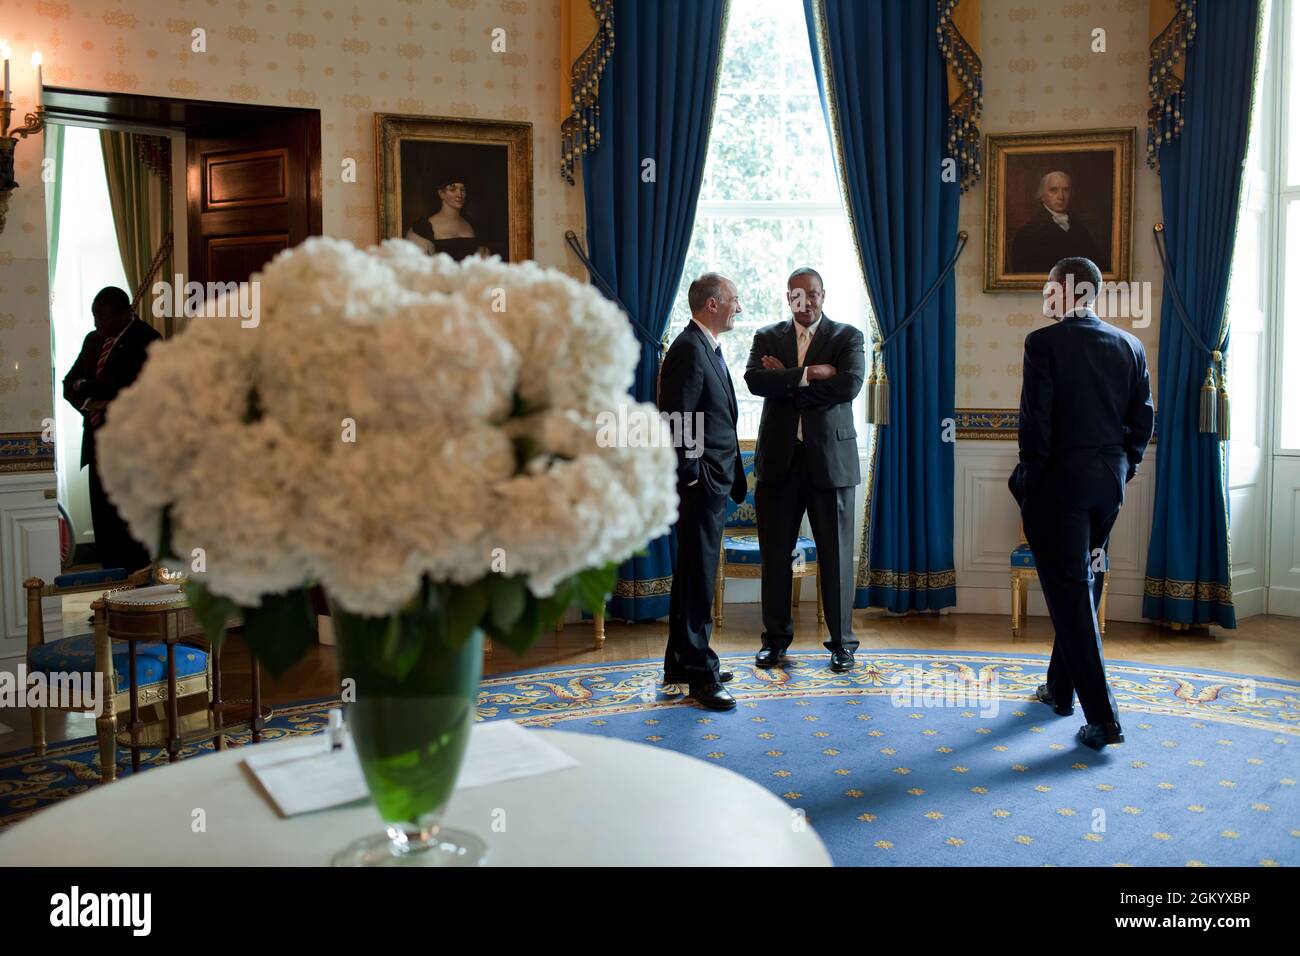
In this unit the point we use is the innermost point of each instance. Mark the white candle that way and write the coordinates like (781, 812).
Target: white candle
(5, 52)
(40, 83)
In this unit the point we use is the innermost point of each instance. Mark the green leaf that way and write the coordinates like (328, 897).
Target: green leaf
(465, 607)
(509, 599)
(211, 611)
(526, 628)
(281, 630)
(595, 585)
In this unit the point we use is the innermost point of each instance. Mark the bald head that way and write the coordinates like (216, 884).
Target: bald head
(714, 302)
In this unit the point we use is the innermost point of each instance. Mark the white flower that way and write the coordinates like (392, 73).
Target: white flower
(392, 416)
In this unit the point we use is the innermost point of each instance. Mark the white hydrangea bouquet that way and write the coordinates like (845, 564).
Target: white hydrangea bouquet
(410, 433)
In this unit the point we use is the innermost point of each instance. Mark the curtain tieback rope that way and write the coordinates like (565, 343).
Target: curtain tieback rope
(878, 382)
(571, 238)
(1215, 411)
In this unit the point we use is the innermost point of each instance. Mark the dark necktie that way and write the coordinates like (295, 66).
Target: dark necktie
(722, 363)
(97, 416)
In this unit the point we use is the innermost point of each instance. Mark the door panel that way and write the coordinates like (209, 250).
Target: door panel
(248, 196)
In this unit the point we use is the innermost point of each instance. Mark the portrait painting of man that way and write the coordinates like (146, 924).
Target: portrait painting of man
(1054, 196)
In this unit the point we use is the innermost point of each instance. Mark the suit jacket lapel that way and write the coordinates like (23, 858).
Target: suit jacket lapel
(790, 345)
(711, 359)
(818, 344)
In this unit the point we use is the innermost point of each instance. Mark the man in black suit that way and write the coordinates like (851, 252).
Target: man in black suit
(1085, 420)
(695, 390)
(110, 360)
(808, 370)
(1053, 234)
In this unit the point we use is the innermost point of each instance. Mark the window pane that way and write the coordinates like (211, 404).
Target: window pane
(1289, 419)
(770, 201)
(1292, 112)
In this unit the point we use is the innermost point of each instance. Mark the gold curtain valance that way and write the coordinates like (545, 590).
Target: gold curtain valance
(586, 44)
(959, 41)
(1171, 29)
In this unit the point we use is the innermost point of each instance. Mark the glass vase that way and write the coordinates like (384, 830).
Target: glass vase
(410, 710)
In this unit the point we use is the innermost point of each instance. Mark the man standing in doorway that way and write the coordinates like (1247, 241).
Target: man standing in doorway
(110, 360)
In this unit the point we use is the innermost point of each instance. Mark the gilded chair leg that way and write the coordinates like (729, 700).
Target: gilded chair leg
(1016, 586)
(821, 611)
(38, 731)
(1101, 608)
(487, 647)
(719, 591)
(598, 624)
(559, 624)
(1024, 605)
(106, 731)
(798, 582)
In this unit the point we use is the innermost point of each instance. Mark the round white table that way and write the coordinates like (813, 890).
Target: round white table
(625, 804)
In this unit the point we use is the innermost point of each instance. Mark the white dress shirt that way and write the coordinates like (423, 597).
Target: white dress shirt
(1062, 219)
(803, 338)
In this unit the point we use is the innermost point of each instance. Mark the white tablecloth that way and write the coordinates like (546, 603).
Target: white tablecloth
(625, 804)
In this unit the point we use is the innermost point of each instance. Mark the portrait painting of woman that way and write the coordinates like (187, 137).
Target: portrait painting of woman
(447, 229)
(456, 187)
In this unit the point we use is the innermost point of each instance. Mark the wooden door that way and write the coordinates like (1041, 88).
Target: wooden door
(252, 190)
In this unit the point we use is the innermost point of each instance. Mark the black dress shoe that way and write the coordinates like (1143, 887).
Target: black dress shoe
(723, 677)
(841, 660)
(769, 657)
(1045, 697)
(713, 696)
(1097, 736)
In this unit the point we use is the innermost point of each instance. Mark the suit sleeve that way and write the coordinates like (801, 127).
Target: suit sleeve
(122, 372)
(845, 384)
(82, 368)
(681, 383)
(1140, 418)
(768, 383)
(1035, 412)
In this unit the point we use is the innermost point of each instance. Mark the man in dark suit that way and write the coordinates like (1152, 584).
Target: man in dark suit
(110, 360)
(808, 370)
(1085, 420)
(1053, 234)
(695, 390)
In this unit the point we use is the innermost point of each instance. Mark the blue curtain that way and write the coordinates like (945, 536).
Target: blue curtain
(656, 104)
(884, 93)
(1189, 578)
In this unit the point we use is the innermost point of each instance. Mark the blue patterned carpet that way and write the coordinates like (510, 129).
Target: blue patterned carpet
(923, 757)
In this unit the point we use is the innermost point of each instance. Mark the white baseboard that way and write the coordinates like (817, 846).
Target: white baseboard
(1284, 601)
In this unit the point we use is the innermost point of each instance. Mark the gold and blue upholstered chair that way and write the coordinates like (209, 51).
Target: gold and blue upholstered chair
(740, 554)
(97, 653)
(1023, 570)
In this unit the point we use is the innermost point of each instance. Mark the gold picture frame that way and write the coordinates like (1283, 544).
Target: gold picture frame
(417, 157)
(1024, 237)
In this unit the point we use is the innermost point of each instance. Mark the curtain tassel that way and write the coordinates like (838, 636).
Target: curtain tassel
(1209, 403)
(1223, 409)
(872, 379)
(878, 397)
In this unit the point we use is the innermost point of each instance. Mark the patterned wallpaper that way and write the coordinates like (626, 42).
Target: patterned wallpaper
(347, 59)
(352, 59)
(1040, 75)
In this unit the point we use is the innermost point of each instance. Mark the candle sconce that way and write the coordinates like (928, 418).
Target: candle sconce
(32, 123)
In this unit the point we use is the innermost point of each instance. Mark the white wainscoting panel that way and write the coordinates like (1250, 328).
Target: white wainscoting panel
(1284, 563)
(987, 528)
(29, 546)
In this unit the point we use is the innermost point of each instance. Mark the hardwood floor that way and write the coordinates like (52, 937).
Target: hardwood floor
(1267, 646)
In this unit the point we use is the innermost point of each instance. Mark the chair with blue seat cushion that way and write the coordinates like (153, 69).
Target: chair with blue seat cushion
(740, 553)
(96, 653)
(1023, 570)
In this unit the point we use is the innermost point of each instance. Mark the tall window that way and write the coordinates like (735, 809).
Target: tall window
(1288, 210)
(770, 202)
